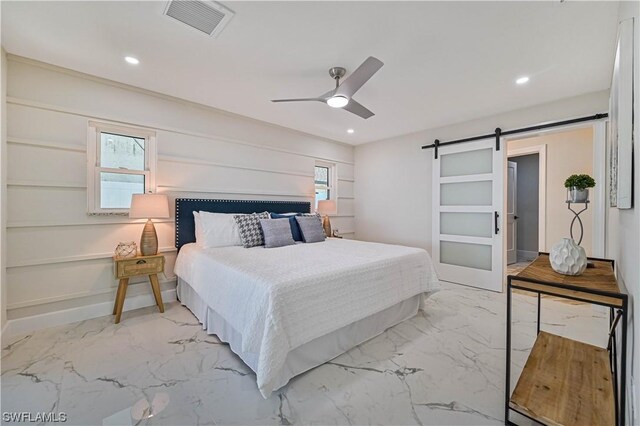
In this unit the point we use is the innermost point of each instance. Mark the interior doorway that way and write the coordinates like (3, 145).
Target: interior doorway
(523, 210)
(536, 167)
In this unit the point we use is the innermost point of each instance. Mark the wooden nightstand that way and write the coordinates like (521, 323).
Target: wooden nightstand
(134, 266)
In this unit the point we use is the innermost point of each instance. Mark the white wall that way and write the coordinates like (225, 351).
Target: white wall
(568, 152)
(393, 177)
(3, 190)
(58, 256)
(623, 230)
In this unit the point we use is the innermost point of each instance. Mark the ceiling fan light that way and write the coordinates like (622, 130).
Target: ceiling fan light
(337, 101)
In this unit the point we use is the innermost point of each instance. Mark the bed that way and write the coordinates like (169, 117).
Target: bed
(286, 310)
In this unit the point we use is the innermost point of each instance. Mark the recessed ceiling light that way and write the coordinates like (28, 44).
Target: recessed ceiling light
(522, 80)
(132, 60)
(350, 131)
(337, 101)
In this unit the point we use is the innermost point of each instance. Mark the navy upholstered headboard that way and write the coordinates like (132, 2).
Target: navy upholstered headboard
(185, 226)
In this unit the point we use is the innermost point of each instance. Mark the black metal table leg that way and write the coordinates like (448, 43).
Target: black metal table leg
(612, 347)
(539, 307)
(623, 363)
(508, 366)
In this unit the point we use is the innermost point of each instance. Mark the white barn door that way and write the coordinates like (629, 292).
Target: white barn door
(467, 223)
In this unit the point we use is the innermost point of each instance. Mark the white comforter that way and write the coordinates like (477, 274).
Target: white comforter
(281, 298)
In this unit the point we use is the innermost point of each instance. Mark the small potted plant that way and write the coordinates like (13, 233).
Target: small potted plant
(578, 188)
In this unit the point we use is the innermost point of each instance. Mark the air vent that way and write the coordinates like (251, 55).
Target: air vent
(208, 17)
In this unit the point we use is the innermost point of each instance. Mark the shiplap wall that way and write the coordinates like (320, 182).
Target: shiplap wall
(3, 189)
(58, 256)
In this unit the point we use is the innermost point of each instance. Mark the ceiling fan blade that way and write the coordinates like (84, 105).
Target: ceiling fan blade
(298, 100)
(359, 77)
(327, 95)
(357, 109)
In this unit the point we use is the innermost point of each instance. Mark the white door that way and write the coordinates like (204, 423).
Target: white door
(467, 215)
(512, 212)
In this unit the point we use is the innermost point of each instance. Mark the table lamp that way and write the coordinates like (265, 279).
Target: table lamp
(149, 206)
(326, 207)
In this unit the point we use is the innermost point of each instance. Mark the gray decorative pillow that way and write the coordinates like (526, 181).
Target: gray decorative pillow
(277, 232)
(250, 229)
(314, 214)
(311, 228)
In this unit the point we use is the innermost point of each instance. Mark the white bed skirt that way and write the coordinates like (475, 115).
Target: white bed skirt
(311, 354)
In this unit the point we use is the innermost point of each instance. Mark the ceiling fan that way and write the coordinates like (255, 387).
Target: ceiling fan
(341, 96)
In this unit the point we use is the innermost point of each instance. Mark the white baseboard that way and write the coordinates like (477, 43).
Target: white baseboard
(526, 255)
(52, 319)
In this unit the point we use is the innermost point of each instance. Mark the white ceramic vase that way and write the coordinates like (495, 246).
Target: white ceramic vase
(568, 258)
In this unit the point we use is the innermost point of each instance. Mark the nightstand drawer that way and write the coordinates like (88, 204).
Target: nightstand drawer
(146, 265)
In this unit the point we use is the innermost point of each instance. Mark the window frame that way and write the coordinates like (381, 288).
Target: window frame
(94, 131)
(331, 187)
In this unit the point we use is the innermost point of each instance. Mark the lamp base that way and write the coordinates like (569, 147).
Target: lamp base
(149, 240)
(326, 224)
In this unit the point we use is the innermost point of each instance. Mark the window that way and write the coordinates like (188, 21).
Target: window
(121, 162)
(324, 182)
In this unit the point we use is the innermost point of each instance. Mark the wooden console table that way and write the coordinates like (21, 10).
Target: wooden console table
(564, 381)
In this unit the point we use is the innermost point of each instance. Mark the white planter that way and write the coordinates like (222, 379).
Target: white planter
(576, 195)
(568, 258)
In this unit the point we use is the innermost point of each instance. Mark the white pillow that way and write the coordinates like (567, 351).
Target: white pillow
(198, 230)
(216, 230)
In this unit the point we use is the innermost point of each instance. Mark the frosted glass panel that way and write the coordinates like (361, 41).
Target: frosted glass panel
(476, 256)
(467, 163)
(469, 224)
(466, 193)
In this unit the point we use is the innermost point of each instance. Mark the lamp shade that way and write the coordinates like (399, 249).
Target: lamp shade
(327, 207)
(149, 206)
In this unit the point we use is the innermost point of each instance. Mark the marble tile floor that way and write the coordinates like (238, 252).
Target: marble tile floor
(443, 367)
(517, 267)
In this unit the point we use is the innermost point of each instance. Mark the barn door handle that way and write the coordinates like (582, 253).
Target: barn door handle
(495, 223)
(515, 217)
